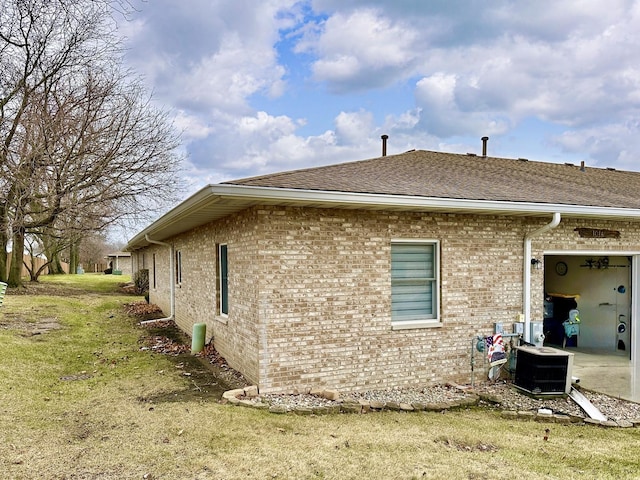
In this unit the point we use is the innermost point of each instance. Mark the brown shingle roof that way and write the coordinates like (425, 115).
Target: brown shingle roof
(455, 176)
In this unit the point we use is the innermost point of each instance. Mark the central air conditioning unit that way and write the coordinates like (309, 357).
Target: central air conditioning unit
(543, 370)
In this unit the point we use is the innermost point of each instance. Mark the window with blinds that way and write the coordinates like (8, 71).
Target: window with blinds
(414, 281)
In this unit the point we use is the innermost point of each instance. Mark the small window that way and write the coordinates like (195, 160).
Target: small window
(414, 283)
(224, 279)
(178, 267)
(153, 260)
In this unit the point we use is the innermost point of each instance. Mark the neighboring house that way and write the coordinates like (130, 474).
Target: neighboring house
(380, 272)
(120, 262)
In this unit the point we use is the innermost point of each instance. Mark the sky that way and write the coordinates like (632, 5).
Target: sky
(260, 86)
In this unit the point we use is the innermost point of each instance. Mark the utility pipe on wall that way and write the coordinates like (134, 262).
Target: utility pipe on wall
(172, 286)
(526, 287)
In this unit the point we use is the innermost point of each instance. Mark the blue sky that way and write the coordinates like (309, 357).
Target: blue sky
(259, 86)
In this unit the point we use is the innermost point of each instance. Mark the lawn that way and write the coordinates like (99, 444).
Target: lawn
(80, 399)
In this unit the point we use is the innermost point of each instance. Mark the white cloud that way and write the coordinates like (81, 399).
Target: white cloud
(209, 55)
(440, 112)
(564, 62)
(362, 49)
(607, 144)
(227, 78)
(191, 126)
(431, 74)
(262, 143)
(552, 21)
(354, 127)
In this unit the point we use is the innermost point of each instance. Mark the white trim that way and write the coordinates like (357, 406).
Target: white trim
(634, 324)
(586, 253)
(634, 321)
(219, 200)
(414, 240)
(406, 325)
(451, 204)
(526, 271)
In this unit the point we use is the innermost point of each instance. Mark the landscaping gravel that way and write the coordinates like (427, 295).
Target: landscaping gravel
(496, 395)
(500, 395)
(614, 409)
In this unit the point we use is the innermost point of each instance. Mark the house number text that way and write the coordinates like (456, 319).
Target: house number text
(597, 233)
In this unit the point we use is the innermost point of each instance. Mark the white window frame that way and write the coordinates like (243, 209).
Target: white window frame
(428, 321)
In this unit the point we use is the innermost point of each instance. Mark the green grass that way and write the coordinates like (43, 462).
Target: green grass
(97, 426)
(91, 282)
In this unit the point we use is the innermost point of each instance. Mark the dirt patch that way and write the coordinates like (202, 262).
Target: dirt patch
(45, 289)
(60, 290)
(76, 377)
(464, 446)
(207, 374)
(28, 328)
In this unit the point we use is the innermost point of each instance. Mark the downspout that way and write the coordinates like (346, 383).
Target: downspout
(526, 287)
(172, 286)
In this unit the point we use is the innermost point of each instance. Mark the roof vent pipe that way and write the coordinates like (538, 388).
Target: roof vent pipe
(484, 146)
(384, 144)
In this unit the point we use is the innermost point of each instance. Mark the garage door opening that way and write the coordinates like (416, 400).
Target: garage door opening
(606, 349)
(599, 287)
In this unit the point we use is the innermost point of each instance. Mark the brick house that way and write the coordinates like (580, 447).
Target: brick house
(380, 272)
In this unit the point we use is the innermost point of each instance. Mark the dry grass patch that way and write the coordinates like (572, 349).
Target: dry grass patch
(86, 402)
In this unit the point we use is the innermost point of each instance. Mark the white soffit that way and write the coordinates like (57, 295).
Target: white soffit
(217, 201)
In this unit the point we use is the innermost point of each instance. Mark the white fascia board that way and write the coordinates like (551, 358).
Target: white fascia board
(204, 196)
(409, 202)
(591, 253)
(270, 195)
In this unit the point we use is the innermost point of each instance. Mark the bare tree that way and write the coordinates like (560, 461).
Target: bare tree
(39, 41)
(94, 250)
(83, 147)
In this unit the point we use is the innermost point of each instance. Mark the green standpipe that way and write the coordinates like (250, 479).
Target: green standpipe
(197, 340)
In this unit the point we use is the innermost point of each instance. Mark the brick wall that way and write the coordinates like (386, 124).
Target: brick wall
(326, 295)
(309, 291)
(197, 298)
(564, 238)
(160, 293)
